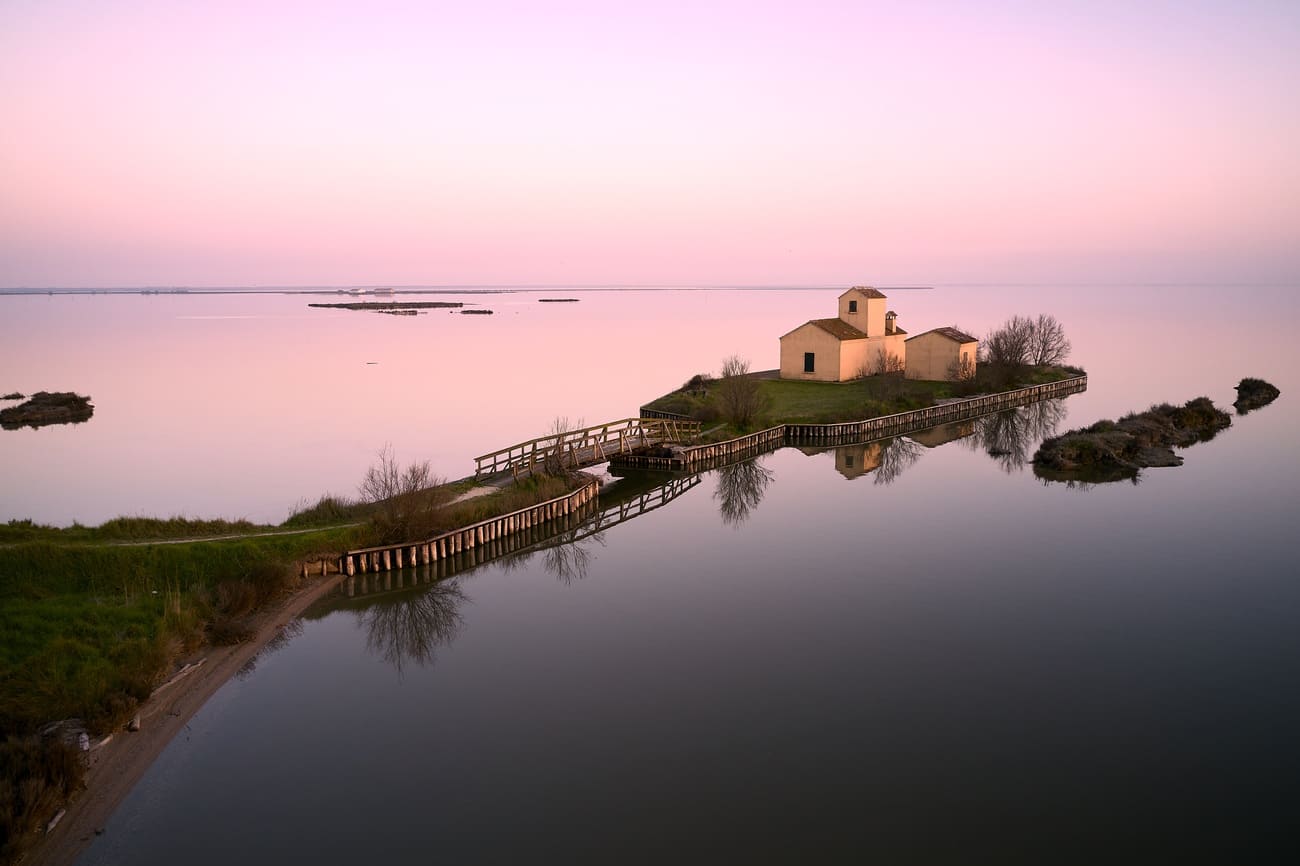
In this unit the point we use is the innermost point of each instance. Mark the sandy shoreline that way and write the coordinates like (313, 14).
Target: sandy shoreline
(115, 767)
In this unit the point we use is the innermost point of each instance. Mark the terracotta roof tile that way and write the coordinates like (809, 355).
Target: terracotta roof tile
(951, 333)
(866, 290)
(839, 329)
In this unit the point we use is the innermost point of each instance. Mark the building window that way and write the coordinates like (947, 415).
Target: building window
(848, 461)
(853, 306)
(808, 362)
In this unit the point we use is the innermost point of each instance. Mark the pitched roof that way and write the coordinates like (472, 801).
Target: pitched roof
(837, 328)
(866, 290)
(951, 333)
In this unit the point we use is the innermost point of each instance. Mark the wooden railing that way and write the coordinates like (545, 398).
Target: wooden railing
(647, 412)
(414, 553)
(581, 522)
(572, 449)
(699, 457)
(523, 540)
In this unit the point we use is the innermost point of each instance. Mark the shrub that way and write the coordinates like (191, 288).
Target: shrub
(405, 500)
(36, 777)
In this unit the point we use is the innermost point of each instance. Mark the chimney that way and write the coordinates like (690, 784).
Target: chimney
(890, 324)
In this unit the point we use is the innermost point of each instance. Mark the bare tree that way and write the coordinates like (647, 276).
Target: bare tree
(962, 370)
(740, 396)
(1021, 341)
(1047, 342)
(881, 363)
(888, 362)
(405, 499)
(557, 453)
(1008, 346)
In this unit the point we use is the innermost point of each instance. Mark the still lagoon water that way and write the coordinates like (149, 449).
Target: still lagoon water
(939, 659)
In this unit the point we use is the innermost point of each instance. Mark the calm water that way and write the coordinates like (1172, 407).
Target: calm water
(940, 659)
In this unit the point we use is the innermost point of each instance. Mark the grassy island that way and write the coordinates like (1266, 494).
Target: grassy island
(782, 401)
(47, 407)
(1114, 450)
(1254, 393)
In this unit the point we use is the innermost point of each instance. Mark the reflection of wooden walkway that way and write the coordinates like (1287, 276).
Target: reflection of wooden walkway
(625, 511)
(573, 449)
(580, 524)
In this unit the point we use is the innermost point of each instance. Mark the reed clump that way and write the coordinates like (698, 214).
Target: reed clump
(1110, 450)
(1253, 393)
(37, 775)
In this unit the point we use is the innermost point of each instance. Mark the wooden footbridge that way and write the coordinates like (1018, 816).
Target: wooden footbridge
(580, 523)
(573, 449)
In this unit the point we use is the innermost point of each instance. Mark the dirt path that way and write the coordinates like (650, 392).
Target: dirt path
(119, 762)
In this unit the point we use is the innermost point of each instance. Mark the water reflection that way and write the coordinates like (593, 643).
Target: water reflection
(883, 459)
(898, 456)
(1011, 437)
(567, 557)
(740, 489)
(410, 628)
(285, 633)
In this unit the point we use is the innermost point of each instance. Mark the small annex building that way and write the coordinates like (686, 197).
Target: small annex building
(942, 353)
(848, 346)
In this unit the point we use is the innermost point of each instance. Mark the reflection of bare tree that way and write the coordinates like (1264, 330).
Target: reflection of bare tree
(567, 555)
(411, 628)
(898, 455)
(570, 557)
(740, 489)
(1011, 436)
(279, 640)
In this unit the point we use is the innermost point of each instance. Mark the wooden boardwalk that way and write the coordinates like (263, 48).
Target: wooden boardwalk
(699, 458)
(578, 524)
(573, 449)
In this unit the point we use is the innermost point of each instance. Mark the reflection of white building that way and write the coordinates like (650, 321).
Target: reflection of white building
(853, 461)
(848, 346)
(933, 437)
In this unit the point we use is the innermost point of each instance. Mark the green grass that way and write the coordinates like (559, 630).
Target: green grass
(84, 624)
(828, 402)
(87, 622)
(794, 401)
(92, 617)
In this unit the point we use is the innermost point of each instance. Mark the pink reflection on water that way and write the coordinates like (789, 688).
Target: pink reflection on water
(242, 405)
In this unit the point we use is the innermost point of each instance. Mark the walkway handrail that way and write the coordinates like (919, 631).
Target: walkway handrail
(454, 541)
(694, 457)
(600, 438)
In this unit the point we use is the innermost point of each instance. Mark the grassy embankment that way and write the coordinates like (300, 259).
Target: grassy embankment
(92, 618)
(791, 401)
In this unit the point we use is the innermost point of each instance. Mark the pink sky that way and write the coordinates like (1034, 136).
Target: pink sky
(233, 143)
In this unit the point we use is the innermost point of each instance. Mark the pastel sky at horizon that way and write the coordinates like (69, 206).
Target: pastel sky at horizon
(702, 143)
